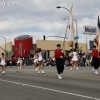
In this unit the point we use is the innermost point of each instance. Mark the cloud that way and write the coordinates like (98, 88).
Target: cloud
(39, 17)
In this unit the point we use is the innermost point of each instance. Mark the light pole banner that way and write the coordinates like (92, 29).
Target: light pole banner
(71, 29)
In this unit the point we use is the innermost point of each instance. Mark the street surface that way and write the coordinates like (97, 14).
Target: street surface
(26, 84)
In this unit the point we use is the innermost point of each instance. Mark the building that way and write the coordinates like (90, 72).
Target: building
(9, 48)
(49, 45)
(22, 45)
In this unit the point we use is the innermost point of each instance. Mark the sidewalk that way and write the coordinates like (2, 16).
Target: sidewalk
(84, 72)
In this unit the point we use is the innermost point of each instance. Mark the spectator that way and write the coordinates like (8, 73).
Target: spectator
(7, 62)
(13, 61)
(66, 62)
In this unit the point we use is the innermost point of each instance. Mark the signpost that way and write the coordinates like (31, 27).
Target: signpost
(89, 30)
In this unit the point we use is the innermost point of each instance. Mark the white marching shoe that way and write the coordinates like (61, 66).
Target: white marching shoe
(96, 72)
(59, 77)
(3, 73)
(77, 68)
(43, 72)
(93, 70)
(71, 69)
(39, 71)
(36, 69)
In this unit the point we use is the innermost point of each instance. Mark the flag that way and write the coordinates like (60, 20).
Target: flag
(71, 29)
(96, 40)
(98, 22)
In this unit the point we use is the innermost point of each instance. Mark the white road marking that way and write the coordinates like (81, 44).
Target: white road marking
(63, 92)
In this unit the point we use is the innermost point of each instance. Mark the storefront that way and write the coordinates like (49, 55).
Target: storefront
(50, 46)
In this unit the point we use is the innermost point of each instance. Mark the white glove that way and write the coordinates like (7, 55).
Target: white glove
(62, 51)
(61, 57)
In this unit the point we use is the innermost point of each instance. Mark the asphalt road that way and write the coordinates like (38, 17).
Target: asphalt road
(26, 84)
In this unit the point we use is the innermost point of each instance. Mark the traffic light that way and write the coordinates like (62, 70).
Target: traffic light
(76, 45)
(44, 37)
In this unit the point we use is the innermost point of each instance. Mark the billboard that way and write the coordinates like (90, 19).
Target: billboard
(92, 30)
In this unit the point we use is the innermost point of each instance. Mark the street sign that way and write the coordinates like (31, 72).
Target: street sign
(77, 37)
(5, 51)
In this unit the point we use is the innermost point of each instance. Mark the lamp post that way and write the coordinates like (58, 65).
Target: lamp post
(69, 11)
(5, 41)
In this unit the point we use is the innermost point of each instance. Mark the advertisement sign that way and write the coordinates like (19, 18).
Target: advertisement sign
(92, 30)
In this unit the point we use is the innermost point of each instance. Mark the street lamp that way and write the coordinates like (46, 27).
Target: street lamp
(58, 7)
(67, 10)
(5, 41)
(62, 7)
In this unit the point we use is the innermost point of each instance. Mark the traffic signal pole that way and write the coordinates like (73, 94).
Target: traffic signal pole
(44, 37)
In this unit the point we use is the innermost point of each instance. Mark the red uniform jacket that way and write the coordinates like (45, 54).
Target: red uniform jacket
(13, 59)
(8, 60)
(58, 53)
(95, 53)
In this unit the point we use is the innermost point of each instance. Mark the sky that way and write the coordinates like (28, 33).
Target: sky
(41, 17)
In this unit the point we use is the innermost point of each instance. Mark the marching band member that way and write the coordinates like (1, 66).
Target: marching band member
(59, 55)
(95, 54)
(3, 63)
(40, 60)
(19, 62)
(35, 60)
(74, 60)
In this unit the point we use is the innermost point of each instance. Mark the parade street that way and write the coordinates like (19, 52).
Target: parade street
(26, 84)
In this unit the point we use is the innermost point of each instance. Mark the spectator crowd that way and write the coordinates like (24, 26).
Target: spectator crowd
(84, 59)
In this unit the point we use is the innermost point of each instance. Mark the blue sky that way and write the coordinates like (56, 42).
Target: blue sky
(41, 17)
